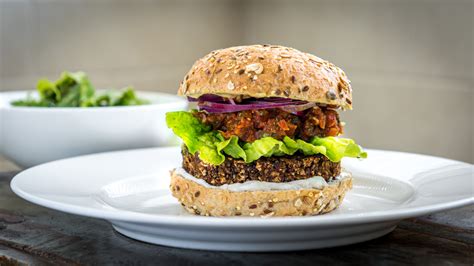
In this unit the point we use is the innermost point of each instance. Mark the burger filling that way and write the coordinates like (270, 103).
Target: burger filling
(268, 140)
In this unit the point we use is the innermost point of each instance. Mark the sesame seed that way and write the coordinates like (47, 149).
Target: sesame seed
(298, 202)
(255, 67)
(331, 95)
(230, 85)
(185, 86)
(267, 215)
(306, 199)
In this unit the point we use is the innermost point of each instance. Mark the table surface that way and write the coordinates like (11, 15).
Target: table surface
(35, 235)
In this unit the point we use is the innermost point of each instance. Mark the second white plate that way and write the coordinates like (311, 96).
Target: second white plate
(130, 189)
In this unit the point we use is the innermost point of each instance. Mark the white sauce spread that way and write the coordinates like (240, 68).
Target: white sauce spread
(316, 182)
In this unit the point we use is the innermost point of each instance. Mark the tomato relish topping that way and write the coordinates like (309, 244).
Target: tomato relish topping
(250, 125)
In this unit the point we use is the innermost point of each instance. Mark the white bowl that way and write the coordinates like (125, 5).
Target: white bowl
(34, 135)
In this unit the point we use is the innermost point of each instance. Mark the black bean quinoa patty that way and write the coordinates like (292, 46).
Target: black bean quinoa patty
(273, 169)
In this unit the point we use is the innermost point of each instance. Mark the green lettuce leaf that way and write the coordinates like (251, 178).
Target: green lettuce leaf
(337, 148)
(305, 147)
(266, 147)
(127, 98)
(198, 137)
(231, 147)
(212, 146)
(71, 89)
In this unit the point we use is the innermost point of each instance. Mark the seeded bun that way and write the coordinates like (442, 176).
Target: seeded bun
(201, 200)
(268, 71)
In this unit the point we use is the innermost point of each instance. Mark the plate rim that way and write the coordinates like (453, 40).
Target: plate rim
(237, 222)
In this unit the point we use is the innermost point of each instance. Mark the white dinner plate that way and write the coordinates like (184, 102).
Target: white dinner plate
(130, 189)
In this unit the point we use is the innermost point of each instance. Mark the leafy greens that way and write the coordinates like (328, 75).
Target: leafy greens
(75, 90)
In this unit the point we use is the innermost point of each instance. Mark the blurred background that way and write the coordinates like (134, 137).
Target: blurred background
(410, 62)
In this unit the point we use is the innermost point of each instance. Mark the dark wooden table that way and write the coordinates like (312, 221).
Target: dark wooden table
(35, 235)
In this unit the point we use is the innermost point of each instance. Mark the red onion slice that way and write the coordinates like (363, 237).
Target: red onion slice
(217, 104)
(208, 98)
(295, 109)
(213, 107)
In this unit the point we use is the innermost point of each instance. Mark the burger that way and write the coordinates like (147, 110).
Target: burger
(263, 139)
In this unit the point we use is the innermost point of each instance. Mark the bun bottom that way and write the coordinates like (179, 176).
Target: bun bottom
(201, 200)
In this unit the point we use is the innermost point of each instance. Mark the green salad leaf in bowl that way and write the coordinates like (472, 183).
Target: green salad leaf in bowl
(73, 89)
